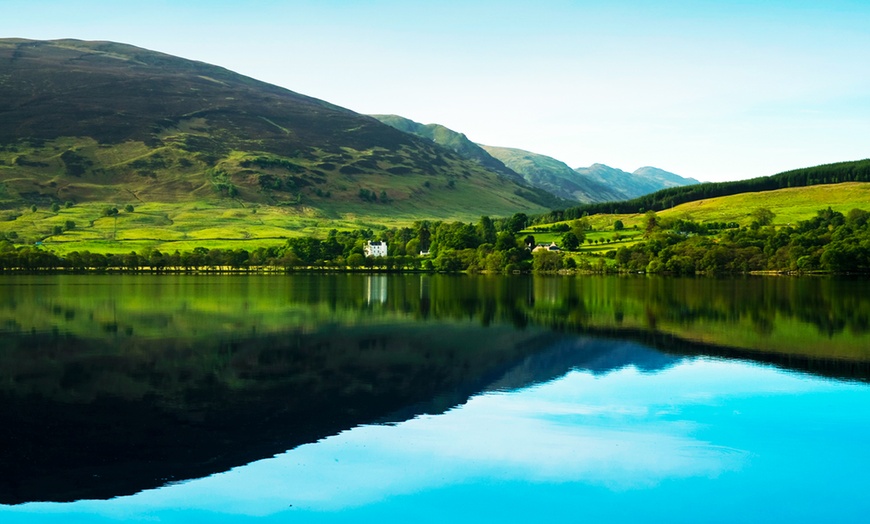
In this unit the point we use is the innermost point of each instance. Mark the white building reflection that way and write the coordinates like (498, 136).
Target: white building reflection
(376, 289)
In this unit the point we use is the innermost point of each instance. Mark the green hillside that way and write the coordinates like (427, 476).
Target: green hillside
(111, 123)
(452, 140)
(819, 228)
(854, 171)
(553, 175)
(789, 206)
(597, 183)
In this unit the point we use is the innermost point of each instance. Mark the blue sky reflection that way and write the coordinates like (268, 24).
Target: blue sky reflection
(626, 431)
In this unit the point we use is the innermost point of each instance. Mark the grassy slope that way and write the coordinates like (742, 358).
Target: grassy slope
(452, 140)
(228, 224)
(790, 206)
(78, 127)
(839, 172)
(554, 176)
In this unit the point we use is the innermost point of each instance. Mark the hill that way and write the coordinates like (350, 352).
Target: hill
(598, 183)
(108, 122)
(452, 140)
(641, 182)
(789, 206)
(840, 172)
(553, 175)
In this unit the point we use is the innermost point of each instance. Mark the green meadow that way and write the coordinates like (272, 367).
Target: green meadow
(229, 224)
(168, 227)
(789, 205)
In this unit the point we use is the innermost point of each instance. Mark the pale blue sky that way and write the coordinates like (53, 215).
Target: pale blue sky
(712, 90)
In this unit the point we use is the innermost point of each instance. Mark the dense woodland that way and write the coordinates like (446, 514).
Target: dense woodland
(830, 242)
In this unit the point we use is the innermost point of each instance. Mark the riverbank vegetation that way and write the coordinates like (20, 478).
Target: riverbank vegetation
(830, 242)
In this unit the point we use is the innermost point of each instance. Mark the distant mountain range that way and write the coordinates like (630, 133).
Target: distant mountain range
(597, 183)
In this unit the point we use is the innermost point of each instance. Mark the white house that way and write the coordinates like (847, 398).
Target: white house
(375, 249)
(545, 247)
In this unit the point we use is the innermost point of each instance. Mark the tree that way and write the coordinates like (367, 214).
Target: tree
(424, 235)
(516, 223)
(448, 261)
(763, 216)
(413, 246)
(33, 208)
(128, 208)
(486, 230)
(579, 228)
(456, 235)
(618, 225)
(570, 241)
(505, 241)
(356, 260)
(857, 217)
(650, 221)
(547, 261)
(55, 207)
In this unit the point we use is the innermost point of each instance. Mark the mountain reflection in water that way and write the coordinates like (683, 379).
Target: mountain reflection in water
(112, 385)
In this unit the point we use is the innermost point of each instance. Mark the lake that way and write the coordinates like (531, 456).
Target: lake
(433, 398)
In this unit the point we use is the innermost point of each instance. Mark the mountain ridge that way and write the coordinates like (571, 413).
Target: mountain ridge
(104, 121)
(598, 183)
(640, 182)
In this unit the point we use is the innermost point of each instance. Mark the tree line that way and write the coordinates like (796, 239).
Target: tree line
(830, 242)
(857, 171)
(426, 245)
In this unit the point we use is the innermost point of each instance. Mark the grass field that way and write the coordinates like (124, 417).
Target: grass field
(170, 227)
(228, 224)
(790, 206)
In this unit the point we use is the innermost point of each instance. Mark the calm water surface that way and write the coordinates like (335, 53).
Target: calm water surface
(333, 398)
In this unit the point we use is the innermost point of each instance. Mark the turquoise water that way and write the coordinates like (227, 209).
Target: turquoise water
(326, 414)
(702, 440)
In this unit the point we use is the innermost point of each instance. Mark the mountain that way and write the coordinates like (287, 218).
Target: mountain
(598, 183)
(665, 178)
(452, 140)
(554, 176)
(108, 122)
(836, 173)
(641, 182)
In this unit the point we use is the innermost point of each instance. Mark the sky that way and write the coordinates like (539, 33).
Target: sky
(714, 90)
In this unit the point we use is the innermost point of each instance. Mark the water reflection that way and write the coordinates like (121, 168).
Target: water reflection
(652, 441)
(827, 317)
(114, 384)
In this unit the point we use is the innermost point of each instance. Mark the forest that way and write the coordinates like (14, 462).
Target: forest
(830, 242)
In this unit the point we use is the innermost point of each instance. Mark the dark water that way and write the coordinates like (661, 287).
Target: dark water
(322, 398)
